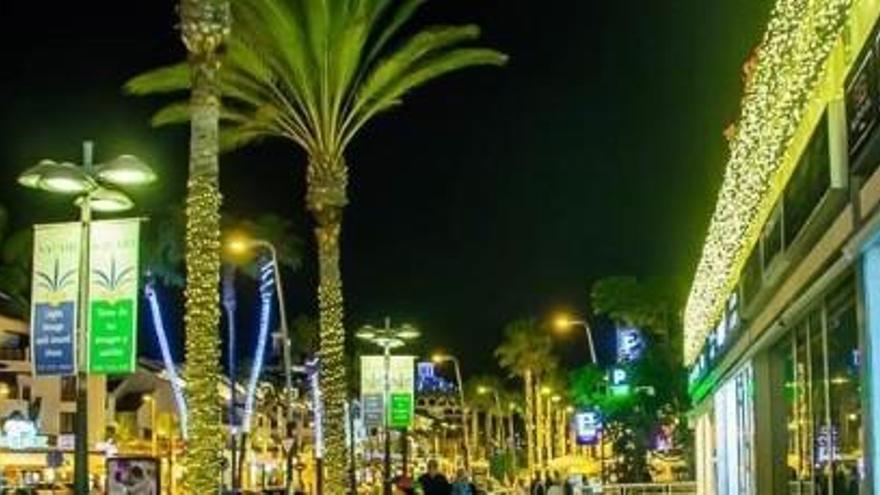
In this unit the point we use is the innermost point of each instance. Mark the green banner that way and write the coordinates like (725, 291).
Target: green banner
(401, 409)
(113, 289)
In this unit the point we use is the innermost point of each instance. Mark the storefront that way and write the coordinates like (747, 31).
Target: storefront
(784, 353)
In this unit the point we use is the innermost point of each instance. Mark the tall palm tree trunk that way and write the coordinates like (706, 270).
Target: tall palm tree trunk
(327, 181)
(475, 432)
(204, 25)
(529, 419)
(540, 433)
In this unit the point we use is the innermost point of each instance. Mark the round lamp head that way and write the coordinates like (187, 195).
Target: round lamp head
(106, 200)
(31, 177)
(64, 178)
(408, 332)
(126, 170)
(562, 322)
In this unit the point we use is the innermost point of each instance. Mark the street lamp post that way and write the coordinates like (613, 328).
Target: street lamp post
(440, 358)
(563, 323)
(94, 187)
(387, 338)
(240, 245)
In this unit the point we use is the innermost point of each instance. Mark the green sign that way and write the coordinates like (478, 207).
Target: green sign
(401, 414)
(113, 288)
(401, 394)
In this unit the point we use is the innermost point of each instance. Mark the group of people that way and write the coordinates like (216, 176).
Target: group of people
(434, 482)
(551, 485)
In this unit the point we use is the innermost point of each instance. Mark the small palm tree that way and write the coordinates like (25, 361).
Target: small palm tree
(314, 73)
(526, 353)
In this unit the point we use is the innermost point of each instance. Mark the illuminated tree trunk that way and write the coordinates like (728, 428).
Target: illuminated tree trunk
(327, 181)
(540, 433)
(529, 420)
(204, 26)
(475, 431)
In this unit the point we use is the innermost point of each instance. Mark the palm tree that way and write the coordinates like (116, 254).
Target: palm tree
(526, 353)
(204, 28)
(315, 73)
(16, 248)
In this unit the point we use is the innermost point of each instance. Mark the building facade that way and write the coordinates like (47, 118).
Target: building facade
(782, 327)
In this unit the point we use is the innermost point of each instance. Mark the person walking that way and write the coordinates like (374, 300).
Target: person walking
(433, 482)
(462, 484)
(554, 485)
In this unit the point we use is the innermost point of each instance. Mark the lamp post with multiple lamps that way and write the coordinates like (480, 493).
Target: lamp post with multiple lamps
(95, 189)
(387, 338)
(440, 358)
(239, 245)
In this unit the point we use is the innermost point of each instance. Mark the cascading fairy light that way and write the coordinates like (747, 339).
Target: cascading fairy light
(267, 289)
(790, 62)
(170, 368)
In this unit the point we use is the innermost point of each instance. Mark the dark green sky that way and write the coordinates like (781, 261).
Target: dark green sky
(491, 195)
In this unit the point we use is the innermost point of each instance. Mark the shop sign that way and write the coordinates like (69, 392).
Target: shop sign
(113, 287)
(619, 382)
(54, 298)
(630, 345)
(588, 427)
(21, 434)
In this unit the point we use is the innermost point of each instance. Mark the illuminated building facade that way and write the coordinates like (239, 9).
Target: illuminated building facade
(782, 326)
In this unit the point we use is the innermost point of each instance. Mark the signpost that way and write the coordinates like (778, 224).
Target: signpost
(113, 287)
(55, 297)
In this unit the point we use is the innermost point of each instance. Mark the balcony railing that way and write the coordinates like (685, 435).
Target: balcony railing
(681, 488)
(13, 354)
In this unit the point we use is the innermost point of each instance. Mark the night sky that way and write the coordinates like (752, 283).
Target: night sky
(490, 195)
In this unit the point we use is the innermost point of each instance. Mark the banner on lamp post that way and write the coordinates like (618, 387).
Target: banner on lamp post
(401, 407)
(54, 298)
(113, 288)
(372, 389)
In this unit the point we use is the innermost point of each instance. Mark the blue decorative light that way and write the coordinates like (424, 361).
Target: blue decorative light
(267, 289)
(317, 406)
(428, 381)
(170, 368)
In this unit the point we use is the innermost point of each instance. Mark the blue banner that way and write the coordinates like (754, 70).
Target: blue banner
(54, 298)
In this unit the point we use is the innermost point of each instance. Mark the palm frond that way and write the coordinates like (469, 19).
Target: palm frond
(436, 67)
(169, 79)
(398, 63)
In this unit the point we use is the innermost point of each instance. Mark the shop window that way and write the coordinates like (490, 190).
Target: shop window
(66, 422)
(68, 388)
(734, 413)
(809, 182)
(26, 392)
(771, 240)
(822, 398)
